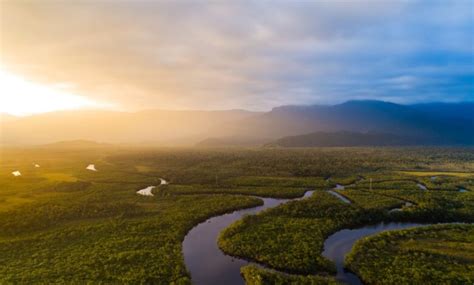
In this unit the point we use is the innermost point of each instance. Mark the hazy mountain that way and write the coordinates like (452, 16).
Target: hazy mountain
(463, 110)
(437, 123)
(152, 127)
(342, 139)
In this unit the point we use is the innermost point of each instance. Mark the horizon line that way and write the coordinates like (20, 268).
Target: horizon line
(118, 110)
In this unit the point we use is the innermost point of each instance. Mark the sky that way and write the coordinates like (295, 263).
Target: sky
(251, 55)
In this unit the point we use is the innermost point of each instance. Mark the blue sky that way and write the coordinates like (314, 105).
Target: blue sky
(248, 54)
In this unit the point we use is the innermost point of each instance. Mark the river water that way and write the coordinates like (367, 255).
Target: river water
(339, 244)
(207, 264)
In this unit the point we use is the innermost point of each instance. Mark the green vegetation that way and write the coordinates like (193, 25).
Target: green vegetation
(386, 183)
(61, 223)
(441, 254)
(371, 200)
(112, 248)
(345, 179)
(278, 181)
(438, 173)
(254, 275)
(96, 229)
(291, 237)
(276, 192)
(308, 223)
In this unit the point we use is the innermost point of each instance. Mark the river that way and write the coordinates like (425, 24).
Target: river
(207, 264)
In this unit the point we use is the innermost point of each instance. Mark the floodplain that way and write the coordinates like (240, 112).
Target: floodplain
(63, 223)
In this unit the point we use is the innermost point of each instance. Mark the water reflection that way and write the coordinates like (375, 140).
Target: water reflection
(339, 244)
(207, 264)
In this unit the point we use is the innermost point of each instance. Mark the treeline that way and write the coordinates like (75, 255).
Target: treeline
(200, 166)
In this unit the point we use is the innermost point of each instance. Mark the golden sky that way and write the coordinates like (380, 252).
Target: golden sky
(254, 55)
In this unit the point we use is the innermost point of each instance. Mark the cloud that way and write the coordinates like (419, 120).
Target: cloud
(244, 54)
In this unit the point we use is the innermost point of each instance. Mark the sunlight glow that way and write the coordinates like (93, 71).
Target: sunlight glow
(20, 97)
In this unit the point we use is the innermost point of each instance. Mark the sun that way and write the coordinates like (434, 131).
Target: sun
(20, 97)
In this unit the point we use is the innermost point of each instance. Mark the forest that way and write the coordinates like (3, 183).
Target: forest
(63, 223)
(434, 254)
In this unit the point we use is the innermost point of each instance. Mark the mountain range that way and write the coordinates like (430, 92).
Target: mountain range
(431, 123)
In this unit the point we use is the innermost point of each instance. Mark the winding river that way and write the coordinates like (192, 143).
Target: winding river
(339, 244)
(207, 264)
(147, 191)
